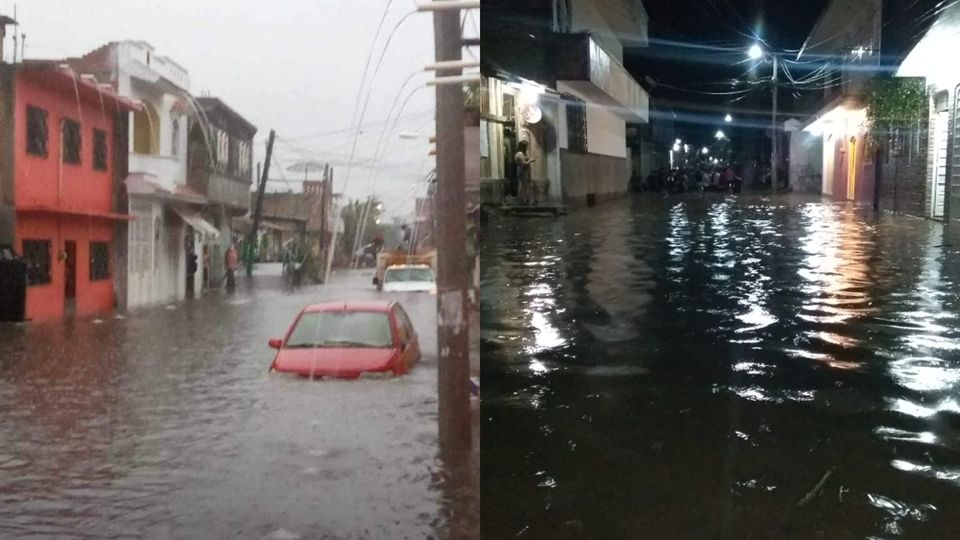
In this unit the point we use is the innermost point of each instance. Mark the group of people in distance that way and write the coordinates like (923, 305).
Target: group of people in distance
(679, 180)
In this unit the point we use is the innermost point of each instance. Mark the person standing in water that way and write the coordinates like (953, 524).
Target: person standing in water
(231, 262)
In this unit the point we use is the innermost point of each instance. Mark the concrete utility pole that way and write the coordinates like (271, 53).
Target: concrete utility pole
(774, 151)
(453, 339)
(258, 206)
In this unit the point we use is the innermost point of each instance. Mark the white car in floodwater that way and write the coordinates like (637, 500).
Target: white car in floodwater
(409, 278)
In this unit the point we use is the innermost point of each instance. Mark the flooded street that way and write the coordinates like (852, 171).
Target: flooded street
(166, 424)
(694, 367)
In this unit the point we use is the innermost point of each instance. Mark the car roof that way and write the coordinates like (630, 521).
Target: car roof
(377, 306)
(402, 266)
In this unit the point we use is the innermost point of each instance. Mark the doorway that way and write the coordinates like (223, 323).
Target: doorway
(852, 169)
(941, 125)
(70, 277)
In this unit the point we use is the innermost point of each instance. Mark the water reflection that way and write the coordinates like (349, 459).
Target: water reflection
(689, 367)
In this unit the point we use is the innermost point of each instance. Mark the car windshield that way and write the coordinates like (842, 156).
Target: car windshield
(341, 329)
(407, 274)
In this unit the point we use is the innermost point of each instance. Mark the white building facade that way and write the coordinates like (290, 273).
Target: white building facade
(165, 263)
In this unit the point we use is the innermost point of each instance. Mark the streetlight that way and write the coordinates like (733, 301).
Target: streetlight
(686, 148)
(676, 147)
(677, 142)
(719, 135)
(728, 118)
(754, 53)
(704, 150)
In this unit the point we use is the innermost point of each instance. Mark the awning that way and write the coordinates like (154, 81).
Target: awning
(197, 222)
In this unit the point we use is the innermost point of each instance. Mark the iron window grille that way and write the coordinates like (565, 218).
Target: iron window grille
(36, 131)
(71, 141)
(576, 125)
(36, 253)
(99, 261)
(99, 150)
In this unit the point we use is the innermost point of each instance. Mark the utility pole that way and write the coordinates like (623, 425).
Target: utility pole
(774, 151)
(453, 341)
(258, 206)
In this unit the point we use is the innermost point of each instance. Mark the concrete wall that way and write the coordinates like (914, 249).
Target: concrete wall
(806, 162)
(585, 17)
(606, 132)
(583, 174)
(7, 99)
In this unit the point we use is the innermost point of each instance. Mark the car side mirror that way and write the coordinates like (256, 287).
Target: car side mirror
(275, 343)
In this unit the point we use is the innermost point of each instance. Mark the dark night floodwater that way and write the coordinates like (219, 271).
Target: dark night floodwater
(166, 424)
(692, 366)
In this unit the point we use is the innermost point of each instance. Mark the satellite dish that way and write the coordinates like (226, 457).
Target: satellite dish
(532, 114)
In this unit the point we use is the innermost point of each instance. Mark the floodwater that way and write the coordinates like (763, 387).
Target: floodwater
(694, 366)
(166, 424)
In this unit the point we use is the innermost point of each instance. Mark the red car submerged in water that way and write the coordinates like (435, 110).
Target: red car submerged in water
(345, 339)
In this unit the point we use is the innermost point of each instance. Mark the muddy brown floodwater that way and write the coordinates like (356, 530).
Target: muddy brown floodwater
(166, 424)
(693, 366)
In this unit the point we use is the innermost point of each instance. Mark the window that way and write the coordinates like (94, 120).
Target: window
(36, 131)
(99, 150)
(341, 329)
(223, 147)
(36, 253)
(175, 138)
(99, 261)
(406, 328)
(71, 141)
(577, 126)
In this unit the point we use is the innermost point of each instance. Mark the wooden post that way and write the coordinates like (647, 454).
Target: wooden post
(453, 340)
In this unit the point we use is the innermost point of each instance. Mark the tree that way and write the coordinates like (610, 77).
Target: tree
(352, 213)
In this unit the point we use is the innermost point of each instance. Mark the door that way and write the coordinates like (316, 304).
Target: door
(852, 169)
(939, 164)
(70, 277)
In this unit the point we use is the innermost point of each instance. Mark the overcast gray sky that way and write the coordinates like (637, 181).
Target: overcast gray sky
(291, 65)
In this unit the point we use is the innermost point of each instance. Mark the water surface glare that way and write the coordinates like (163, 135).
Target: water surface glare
(692, 366)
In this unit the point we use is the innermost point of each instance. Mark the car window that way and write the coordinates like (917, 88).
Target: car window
(402, 327)
(404, 321)
(341, 329)
(407, 274)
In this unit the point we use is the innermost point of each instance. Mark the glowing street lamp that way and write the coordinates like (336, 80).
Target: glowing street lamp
(719, 135)
(704, 150)
(755, 52)
(686, 148)
(676, 147)
(677, 142)
(728, 119)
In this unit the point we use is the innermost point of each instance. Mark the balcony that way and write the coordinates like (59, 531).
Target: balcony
(584, 66)
(228, 191)
(168, 171)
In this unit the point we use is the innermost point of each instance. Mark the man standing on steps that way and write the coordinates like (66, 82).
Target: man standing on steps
(523, 172)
